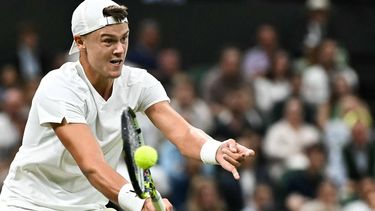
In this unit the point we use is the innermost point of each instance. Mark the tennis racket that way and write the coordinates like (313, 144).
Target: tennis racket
(141, 179)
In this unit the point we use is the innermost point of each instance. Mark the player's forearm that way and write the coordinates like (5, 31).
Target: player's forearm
(188, 139)
(192, 143)
(105, 180)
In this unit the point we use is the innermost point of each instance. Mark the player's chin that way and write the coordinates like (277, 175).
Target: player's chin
(115, 72)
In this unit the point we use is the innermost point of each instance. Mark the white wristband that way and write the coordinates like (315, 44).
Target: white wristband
(209, 150)
(128, 200)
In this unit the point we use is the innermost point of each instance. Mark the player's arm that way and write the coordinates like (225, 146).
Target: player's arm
(82, 145)
(191, 141)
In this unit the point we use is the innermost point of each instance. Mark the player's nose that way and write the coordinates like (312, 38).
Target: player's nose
(119, 48)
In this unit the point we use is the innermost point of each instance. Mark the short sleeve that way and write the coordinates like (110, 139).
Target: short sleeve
(58, 100)
(152, 93)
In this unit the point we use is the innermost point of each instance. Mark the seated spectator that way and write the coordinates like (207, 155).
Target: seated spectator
(180, 172)
(168, 66)
(32, 59)
(144, 53)
(15, 108)
(257, 60)
(189, 105)
(327, 199)
(240, 115)
(295, 92)
(331, 119)
(316, 25)
(366, 194)
(275, 85)
(359, 153)
(261, 200)
(316, 78)
(304, 183)
(203, 196)
(220, 79)
(286, 139)
(332, 109)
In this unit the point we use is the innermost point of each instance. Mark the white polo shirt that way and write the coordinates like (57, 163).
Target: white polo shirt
(44, 175)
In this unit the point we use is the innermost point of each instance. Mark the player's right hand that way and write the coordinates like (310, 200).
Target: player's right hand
(148, 206)
(231, 155)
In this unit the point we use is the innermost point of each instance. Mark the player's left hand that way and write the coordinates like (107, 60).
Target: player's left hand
(230, 156)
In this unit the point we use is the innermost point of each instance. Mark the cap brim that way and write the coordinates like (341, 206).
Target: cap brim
(73, 49)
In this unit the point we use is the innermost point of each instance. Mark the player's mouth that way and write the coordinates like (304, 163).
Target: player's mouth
(116, 62)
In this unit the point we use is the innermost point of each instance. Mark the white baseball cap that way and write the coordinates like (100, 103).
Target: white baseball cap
(88, 17)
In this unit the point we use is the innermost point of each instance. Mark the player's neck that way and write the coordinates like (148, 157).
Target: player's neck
(101, 84)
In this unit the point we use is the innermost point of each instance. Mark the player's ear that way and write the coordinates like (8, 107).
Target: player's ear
(79, 41)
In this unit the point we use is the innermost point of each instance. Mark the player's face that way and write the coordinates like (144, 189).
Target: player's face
(106, 49)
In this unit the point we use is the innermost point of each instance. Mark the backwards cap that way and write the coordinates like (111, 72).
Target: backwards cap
(88, 17)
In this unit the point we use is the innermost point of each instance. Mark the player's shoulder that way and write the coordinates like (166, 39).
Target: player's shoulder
(66, 76)
(134, 75)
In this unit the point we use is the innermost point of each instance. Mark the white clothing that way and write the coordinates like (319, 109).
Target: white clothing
(285, 143)
(317, 205)
(268, 93)
(336, 136)
(9, 134)
(315, 85)
(44, 175)
(316, 82)
(357, 205)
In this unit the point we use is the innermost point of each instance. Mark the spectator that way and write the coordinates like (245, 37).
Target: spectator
(257, 60)
(304, 183)
(180, 172)
(9, 77)
(262, 200)
(359, 153)
(33, 61)
(295, 84)
(366, 193)
(144, 53)
(225, 76)
(317, 78)
(332, 109)
(190, 106)
(326, 199)
(15, 108)
(317, 27)
(204, 196)
(168, 66)
(275, 86)
(286, 139)
(240, 115)
(318, 16)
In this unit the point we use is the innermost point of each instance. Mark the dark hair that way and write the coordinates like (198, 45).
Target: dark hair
(119, 13)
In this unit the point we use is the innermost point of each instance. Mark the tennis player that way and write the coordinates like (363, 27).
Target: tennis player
(72, 141)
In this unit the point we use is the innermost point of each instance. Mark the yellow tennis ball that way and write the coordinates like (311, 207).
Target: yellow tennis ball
(145, 157)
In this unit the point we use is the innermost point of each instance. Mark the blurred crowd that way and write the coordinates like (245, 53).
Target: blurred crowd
(311, 131)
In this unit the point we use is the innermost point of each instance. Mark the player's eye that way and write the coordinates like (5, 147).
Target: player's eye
(123, 39)
(108, 41)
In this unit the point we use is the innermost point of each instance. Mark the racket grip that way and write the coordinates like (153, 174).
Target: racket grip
(157, 201)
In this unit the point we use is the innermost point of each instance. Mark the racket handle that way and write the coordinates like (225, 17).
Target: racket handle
(157, 201)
